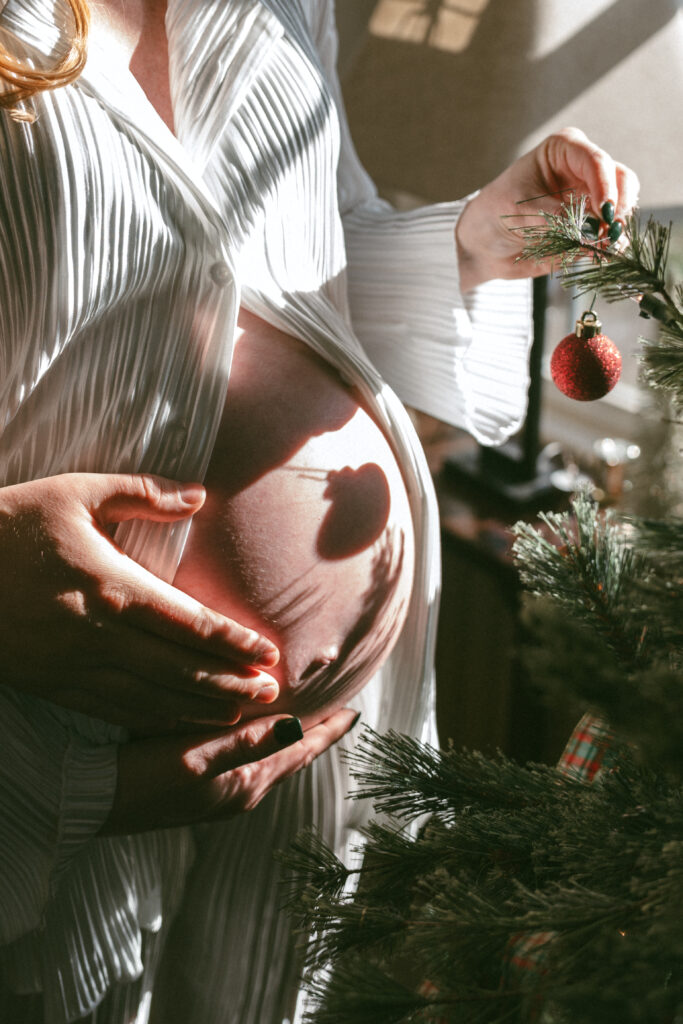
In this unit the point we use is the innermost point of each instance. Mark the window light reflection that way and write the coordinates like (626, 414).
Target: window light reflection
(444, 24)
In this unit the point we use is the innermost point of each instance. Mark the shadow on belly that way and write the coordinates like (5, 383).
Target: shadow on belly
(367, 642)
(343, 532)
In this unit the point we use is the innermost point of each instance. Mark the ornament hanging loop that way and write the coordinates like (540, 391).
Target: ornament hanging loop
(588, 325)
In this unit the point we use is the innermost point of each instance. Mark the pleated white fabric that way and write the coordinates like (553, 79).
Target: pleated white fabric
(124, 255)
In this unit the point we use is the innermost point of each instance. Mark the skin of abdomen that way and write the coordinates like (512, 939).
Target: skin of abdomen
(306, 532)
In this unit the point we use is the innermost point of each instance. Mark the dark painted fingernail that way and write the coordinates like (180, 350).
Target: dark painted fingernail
(615, 230)
(354, 723)
(288, 731)
(607, 211)
(590, 227)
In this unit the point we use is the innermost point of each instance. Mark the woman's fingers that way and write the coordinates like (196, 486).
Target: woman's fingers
(139, 706)
(118, 497)
(176, 780)
(150, 605)
(266, 737)
(186, 670)
(241, 787)
(628, 191)
(489, 233)
(577, 161)
(572, 158)
(145, 600)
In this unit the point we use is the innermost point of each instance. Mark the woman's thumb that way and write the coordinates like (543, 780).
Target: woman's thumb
(116, 497)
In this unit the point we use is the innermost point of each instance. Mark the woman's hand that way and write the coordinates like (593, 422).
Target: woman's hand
(564, 163)
(83, 625)
(177, 780)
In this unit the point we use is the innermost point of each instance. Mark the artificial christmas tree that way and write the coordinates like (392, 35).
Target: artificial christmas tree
(494, 892)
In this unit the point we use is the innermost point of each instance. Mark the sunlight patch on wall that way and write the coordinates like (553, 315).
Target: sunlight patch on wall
(445, 24)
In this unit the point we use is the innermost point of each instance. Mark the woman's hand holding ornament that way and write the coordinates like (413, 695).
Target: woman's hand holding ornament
(565, 163)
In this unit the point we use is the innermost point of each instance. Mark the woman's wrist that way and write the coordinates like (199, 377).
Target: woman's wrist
(477, 239)
(469, 272)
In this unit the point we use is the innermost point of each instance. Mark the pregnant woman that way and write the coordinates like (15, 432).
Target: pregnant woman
(199, 283)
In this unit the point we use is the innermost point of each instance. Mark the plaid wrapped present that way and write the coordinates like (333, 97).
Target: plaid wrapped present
(589, 751)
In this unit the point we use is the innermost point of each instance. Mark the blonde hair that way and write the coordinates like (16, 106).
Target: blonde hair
(22, 81)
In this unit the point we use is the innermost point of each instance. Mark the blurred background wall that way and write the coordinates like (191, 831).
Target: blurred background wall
(442, 94)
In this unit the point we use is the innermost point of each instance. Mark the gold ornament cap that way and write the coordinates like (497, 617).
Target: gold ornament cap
(588, 325)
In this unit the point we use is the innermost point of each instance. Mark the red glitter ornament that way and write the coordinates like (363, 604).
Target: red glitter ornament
(587, 364)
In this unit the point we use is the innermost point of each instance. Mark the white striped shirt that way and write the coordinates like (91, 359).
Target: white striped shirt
(124, 254)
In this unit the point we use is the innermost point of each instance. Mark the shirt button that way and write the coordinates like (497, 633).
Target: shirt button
(220, 273)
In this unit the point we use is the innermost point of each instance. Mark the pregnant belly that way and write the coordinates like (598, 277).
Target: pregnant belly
(306, 533)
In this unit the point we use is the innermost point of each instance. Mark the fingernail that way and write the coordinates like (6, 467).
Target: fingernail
(192, 494)
(607, 211)
(354, 723)
(615, 230)
(228, 719)
(267, 693)
(288, 731)
(267, 653)
(590, 227)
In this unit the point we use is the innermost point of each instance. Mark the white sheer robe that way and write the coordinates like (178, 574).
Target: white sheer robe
(124, 255)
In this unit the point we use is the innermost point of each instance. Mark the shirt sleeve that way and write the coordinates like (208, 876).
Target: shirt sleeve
(56, 789)
(461, 358)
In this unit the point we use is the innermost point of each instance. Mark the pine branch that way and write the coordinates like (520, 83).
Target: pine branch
(310, 864)
(636, 270)
(394, 862)
(662, 539)
(568, 661)
(660, 589)
(365, 994)
(560, 237)
(620, 648)
(588, 566)
(590, 873)
(631, 272)
(408, 779)
(358, 991)
(614, 270)
(338, 926)
(662, 362)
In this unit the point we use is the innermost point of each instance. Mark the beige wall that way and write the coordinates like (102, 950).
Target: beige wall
(442, 94)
